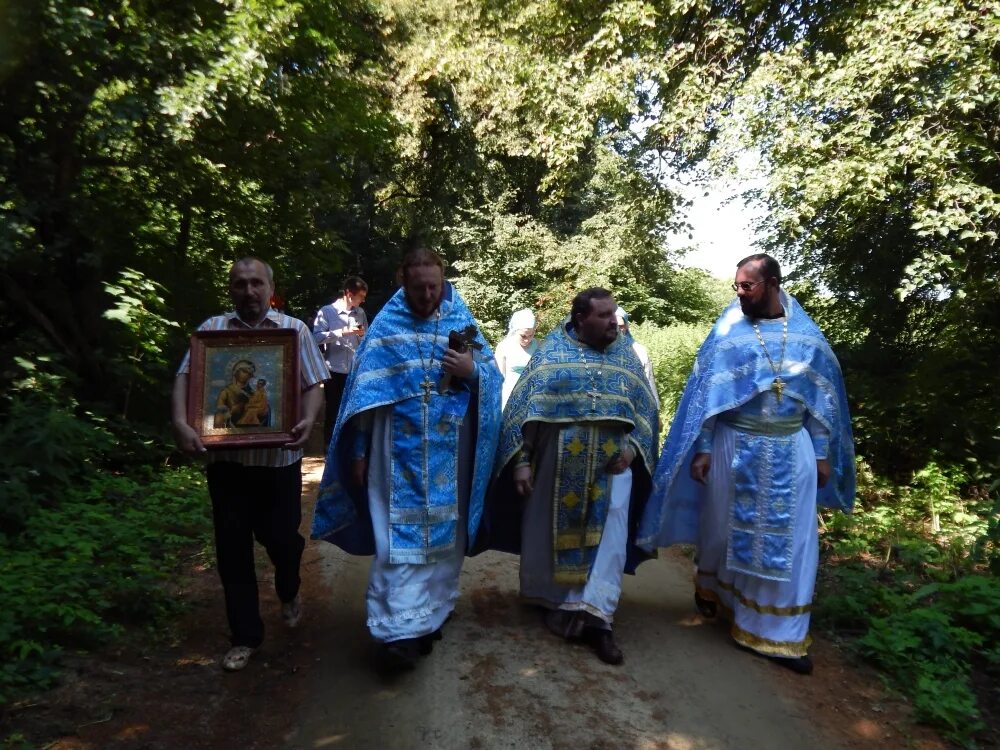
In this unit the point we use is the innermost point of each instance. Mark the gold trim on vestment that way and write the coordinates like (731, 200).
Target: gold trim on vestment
(572, 540)
(766, 646)
(571, 577)
(745, 638)
(764, 609)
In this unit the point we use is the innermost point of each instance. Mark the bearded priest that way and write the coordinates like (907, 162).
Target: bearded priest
(578, 444)
(409, 462)
(762, 436)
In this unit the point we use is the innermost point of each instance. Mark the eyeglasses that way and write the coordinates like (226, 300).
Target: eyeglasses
(747, 286)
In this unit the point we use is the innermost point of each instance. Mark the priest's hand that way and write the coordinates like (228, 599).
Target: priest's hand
(459, 364)
(359, 471)
(699, 467)
(622, 461)
(523, 480)
(822, 471)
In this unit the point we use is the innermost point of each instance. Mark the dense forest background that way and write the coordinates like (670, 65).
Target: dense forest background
(144, 146)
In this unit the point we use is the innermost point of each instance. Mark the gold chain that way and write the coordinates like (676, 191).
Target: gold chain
(777, 385)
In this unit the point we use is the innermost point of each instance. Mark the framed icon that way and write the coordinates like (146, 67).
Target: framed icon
(243, 388)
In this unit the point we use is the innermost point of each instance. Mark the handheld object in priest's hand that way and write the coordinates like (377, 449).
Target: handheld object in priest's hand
(461, 342)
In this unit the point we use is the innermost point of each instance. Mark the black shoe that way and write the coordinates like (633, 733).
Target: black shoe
(565, 624)
(603, 643)
(706, 607)
(425, 643)
(798, 664)
(399, 656)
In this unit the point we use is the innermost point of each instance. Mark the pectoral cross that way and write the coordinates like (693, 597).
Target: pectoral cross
(778, 386)
(594, 395)
(427, 385)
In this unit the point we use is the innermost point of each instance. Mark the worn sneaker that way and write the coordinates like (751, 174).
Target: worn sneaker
(291, 612)
(237, 658)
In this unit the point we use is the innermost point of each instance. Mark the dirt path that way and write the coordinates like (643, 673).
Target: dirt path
(497, 680)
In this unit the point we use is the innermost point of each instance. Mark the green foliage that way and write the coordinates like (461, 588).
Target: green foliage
(141, 142)
(927, 645)
(44, 444)
(140, 309)
(928, 528)
(84, 546)
(906, 579)
(672, 351)
(95, 561)
(879, 126)
(987, 547)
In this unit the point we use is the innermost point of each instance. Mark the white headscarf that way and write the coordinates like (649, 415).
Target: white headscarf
(521, 319)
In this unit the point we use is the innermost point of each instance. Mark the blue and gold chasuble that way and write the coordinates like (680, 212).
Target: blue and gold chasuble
(732, 380)
(399, 365)
(601, 400)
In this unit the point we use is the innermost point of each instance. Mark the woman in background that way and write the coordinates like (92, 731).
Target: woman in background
(513, 353)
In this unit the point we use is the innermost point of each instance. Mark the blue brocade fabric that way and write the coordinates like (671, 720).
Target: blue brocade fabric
(568, 382)
(762, 516)
(598, 397)
(731, 369)
(423, 503)
(581, 497)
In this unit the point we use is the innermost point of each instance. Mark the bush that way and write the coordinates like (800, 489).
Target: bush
(95, 561)
(928, 644)
(908, 578)
(672, 350)
(45, 446)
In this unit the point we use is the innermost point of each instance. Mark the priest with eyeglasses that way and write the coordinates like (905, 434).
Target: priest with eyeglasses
(762, 436)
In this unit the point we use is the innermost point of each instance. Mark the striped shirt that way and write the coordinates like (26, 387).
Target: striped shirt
(311, 366)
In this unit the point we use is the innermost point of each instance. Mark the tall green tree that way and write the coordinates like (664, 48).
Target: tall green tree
(171, 139)
(881, 127)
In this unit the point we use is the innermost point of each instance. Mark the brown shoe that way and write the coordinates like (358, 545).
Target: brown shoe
(603, 643)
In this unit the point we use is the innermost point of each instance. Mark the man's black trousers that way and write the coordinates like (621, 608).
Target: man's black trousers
(333, 389)
(251, 502)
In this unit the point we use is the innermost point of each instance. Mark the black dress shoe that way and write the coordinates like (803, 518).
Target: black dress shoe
(798, 664)
(707, 607)
(603, 643)
(398, 656)
(425, 643)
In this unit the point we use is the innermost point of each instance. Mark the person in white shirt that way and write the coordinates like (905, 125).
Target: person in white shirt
(338, 329)
(256, 492)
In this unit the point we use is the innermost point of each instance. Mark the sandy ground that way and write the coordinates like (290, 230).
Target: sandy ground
(497, 680)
